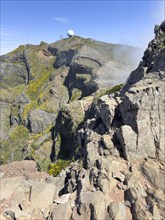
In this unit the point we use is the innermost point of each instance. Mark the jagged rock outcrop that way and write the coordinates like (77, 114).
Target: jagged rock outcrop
(142, 109)
(69, 121)
(142, 106)
(122, 151)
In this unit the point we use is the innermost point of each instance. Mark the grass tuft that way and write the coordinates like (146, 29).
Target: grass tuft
(56, 168)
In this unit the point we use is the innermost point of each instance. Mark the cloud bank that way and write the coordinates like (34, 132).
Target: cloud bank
(62, 20)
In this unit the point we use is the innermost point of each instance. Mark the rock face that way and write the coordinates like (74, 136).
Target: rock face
(5, 120)
(143, 101)
(18, 72)
(39, 120)
(119, 172)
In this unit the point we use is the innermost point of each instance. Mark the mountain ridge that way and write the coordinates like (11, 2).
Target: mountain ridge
(40, 79)
(117, 137)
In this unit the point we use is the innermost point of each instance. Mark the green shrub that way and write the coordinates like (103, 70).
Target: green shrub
(76, 94)
(46, 131)
(32, 105)
(44, 164)
(33, 90)
(19, 135)
(106, 91)
(12, 149)
(19, 49)
(56, 168)
(9, 94)
(114, 89)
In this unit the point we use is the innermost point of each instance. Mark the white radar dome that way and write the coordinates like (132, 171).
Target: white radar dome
(70, 33)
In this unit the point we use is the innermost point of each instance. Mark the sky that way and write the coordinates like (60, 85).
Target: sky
(122, 22)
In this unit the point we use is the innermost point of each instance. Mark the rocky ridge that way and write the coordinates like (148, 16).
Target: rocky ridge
(119, 171)
(38, 85)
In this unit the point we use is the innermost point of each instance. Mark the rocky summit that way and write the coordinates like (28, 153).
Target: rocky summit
(75, 142)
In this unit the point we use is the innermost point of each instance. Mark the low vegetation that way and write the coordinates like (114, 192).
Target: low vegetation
(13, 148)
(32, 105)
(56, 168)
(9, 94)
(19, 135)
(46, 131)
(42, 74)
(76, 94)
(107, 91)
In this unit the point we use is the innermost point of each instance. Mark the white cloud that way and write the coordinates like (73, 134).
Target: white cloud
(62, 20)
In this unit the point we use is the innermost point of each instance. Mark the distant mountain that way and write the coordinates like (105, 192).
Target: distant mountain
(36, 81)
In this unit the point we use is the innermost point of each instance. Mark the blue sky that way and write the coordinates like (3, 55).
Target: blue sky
(124, 22)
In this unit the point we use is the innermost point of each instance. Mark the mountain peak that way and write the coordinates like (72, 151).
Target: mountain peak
(152, 64)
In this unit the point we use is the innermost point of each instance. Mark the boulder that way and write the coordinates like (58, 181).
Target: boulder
(42, 194)
(154, 174)
(119, 176)
(128, 140)
(39, 120)
(97, 207)
(63, 199)
(107, 140)
(106, 110)
(117, 211)
(61, 211)
(9, 185)
(25, 169)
